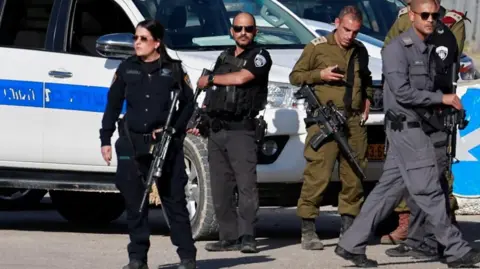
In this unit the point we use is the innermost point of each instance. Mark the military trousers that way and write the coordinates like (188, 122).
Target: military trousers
(170, 188)
(232, 157)
(419, 229)
(319, 168)
(410, 167)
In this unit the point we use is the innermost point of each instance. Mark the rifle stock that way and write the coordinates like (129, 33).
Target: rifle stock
(331, 123)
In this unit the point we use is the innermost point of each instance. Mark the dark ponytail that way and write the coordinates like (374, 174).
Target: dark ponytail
(157, 31)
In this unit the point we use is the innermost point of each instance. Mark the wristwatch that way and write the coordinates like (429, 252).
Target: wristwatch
(210, 79)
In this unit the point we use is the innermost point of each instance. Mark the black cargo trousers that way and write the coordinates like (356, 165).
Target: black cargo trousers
(232, 157)
(171, 189)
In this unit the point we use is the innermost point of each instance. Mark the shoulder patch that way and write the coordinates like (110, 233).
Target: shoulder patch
(319, 40)
(407, 40)
(402, 11)
(186, 78)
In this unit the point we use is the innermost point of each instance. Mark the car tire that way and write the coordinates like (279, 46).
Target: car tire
(11, 198)
(198, 191)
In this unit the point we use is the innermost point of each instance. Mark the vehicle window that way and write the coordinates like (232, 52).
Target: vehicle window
(193, 24)
(378, 15)
(24, 23)
(89, 21)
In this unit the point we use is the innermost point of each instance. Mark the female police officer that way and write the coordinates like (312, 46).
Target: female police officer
(146, 81)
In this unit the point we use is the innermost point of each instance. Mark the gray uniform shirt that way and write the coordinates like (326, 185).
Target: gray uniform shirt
(409, 71)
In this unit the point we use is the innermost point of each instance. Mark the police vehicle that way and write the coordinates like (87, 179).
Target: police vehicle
(58, 60)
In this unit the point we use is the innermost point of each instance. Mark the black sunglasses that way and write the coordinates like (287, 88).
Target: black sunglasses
(142, 38)
(426, 15)
(238, 28)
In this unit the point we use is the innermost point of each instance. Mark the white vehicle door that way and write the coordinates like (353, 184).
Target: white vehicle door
(23, 30)
(78, 83)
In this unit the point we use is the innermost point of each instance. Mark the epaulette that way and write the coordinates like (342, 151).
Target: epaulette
(407, 40)
(319, 40)
(453, 16)
(402, 11)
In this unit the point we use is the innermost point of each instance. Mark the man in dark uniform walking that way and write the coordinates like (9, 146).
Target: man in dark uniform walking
(147, 81)
(237, 92)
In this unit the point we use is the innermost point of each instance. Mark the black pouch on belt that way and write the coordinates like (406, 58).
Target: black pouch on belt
(260, 129)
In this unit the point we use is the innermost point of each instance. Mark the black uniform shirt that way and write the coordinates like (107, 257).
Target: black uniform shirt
(147, 89)
(446, 53)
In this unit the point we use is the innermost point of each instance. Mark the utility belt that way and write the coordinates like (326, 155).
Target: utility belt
(217, 124)
(432, 119)
(398, 122)
(259, 125)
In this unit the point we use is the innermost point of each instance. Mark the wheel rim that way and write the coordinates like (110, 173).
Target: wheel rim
(191, 189)
(13, 194)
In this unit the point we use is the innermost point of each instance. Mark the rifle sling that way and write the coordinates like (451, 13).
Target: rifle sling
(347, 98)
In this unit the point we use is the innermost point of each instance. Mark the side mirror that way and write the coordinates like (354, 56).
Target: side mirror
(118, 45)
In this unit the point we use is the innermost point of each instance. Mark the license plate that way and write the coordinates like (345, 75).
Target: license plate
(375, 152)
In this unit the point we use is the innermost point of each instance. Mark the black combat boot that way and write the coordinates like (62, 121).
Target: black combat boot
(187, 264)
(310, 240)
(136, 264)
(360, 260)
(223, 245)
(347, 221)
(249, 245)
(467, 261)
(422, 252)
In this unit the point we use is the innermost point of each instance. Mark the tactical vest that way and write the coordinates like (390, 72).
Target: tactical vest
(237, 101)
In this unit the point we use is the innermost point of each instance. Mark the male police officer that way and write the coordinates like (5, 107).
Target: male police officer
(455, 20)
(321, 64)
(239, 91)
(442, 39)
(411, 162)
(418, 243)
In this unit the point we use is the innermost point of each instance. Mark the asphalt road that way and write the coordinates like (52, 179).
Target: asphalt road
(41, 239)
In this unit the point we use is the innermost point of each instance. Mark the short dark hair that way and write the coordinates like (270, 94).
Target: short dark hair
(247, 13)
(352, 11)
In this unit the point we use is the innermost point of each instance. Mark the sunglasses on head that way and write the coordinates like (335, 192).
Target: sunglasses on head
(142, 38)
(426, 15)
(238, 28)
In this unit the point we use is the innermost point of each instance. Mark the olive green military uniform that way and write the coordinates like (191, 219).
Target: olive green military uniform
(458, 29)
(321, 53)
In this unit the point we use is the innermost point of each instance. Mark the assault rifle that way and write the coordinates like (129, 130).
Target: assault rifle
(331, 122)
(159, 152)
(197, 113)
(453, 118)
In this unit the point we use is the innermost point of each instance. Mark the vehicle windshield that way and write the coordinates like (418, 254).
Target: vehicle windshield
(378, 15)
(205, 24)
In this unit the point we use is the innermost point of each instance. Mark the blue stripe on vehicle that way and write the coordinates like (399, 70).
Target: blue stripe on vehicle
(54, 95)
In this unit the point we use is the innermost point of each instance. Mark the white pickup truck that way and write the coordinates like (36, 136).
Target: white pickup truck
(58, 60)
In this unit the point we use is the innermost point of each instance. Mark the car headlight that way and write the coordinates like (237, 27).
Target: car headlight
(280, 95)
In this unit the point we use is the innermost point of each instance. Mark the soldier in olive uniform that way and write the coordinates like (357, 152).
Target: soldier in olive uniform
(337, 66)
(455, 21)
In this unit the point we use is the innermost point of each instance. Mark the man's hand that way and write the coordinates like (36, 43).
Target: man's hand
(107, 154)
(452, 100)
(156, 131)
(327, 74)
(193, 131)
(366, 111)
(202, 82)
